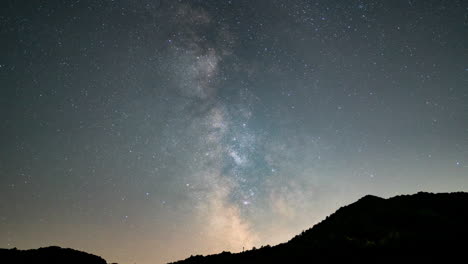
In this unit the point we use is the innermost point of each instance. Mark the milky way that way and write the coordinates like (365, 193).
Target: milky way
(146, 131)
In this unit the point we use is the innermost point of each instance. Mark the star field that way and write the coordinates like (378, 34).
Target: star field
(146, 131)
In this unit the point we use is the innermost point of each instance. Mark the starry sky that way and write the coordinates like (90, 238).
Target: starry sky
(145, 131)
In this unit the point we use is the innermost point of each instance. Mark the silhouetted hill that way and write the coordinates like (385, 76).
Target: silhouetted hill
(50, 255)
(410, 228)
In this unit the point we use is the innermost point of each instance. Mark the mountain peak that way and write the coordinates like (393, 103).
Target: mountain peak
(370, 198)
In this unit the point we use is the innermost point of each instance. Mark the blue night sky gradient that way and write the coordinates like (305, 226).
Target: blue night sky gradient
(146, 131)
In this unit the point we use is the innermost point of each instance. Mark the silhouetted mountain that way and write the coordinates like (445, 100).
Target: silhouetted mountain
(409, 228)
(50, 255)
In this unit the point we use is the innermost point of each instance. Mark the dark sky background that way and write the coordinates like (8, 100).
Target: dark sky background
(146, 131)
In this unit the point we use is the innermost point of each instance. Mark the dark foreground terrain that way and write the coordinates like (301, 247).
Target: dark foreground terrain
(52, 255)
(419, 228)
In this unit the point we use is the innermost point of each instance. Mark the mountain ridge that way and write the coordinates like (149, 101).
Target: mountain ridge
(421, 227)
(424, 226)
(50, 255)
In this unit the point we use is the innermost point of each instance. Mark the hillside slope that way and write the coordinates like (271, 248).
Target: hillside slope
(408, 228)
(50, 255)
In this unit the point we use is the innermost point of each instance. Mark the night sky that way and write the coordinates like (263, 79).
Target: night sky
(146, 131)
